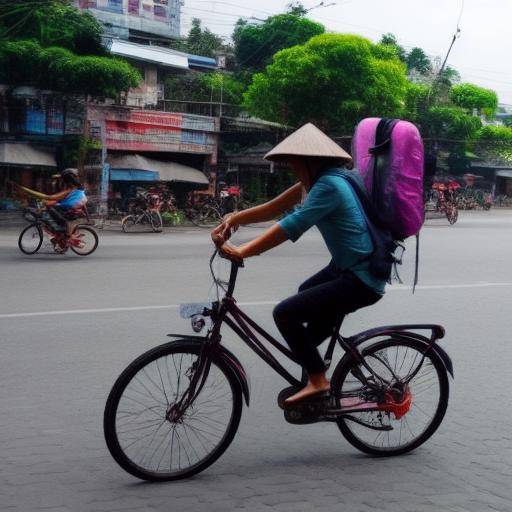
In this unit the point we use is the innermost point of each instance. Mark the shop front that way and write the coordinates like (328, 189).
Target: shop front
(27, 164)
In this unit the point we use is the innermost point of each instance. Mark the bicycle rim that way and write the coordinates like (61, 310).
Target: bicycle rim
(30, 239)
(83, 241)
(139, 429)
(429, 390)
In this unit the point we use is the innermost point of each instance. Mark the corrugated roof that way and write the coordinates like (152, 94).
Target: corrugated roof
(146, 53)
(14, 153)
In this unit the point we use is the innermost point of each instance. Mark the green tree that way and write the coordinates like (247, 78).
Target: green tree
(256, 44)
(496, 143)
(204, 87)
(391, 41)
(333, 80)
(202, 42)
(58, 69)
(470, 97)
(52, 23)
(52, 45)
(417, 59)
(417, 101)
(297, 9)
(454, 131)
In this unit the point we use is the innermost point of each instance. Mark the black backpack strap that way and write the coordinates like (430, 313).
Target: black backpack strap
(417, 264)
(380, 154)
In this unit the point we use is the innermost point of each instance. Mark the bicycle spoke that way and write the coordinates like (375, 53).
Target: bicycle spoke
(146, 429)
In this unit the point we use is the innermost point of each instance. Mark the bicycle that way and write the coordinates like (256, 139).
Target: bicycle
(142, 217)
(82, 241)
(175, 409)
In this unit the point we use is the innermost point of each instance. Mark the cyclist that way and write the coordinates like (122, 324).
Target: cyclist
(307, 318)
(66, 205)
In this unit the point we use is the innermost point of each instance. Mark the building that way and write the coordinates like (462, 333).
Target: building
(155, 64)
(144, 148)
(141, 19)
(39, 133)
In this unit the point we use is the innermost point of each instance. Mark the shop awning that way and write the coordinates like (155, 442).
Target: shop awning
(148, 53)
(16, 153)
(132, 175)
(504, 174)
(161, 170)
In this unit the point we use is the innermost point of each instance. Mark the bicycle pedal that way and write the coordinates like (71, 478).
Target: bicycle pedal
(307, 411)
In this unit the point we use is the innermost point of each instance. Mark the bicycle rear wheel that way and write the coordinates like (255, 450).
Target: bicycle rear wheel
(30, 239)
(140, 431)
(429, 391)
(128, 223)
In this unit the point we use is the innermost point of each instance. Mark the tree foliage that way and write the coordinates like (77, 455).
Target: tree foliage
(333, 80)
(417, 59)
(391, 41)
(204, 87)
(52, 23)
(202, 41)
(496, 141)
(52, 45)
(450, 123)
(256, 44)
(58, 69)
(297, 9)
(470, 96)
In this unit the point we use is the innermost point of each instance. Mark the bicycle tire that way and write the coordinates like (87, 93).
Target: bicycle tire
(156, 222)
(127, 223)
(341, 372)
(452, 215)
(124, 380)
(95, 244)
(24, 231)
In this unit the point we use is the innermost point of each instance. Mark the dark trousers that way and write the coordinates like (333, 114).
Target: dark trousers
(306, 319)
(59, 220)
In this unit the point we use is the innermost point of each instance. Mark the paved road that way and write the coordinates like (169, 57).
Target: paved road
(68, 326)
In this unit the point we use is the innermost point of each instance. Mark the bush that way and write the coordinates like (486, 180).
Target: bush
(173, 219)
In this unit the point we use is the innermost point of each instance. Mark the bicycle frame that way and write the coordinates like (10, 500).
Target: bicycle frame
(226, 311)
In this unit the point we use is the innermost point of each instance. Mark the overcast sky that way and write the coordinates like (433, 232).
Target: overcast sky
(482, 54)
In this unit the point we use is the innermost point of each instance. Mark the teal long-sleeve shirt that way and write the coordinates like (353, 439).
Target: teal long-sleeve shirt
(332, 206)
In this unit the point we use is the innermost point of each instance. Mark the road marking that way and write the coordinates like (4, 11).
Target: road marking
(260, 303)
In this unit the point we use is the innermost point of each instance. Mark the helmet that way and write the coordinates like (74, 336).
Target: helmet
(70, 177)
(69, 172)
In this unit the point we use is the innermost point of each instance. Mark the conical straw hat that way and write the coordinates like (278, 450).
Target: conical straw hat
(308, 141)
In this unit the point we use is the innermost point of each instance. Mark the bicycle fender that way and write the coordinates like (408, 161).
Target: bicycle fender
(440, 352)
(229, 358)
(447, 360)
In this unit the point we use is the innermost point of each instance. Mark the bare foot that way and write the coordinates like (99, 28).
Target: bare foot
(309, 391)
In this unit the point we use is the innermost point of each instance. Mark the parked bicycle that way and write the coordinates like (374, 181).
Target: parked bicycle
(144, 213)
(175, 409)
(83, 239)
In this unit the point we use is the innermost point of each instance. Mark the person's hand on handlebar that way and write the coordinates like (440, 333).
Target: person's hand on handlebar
(222, 233)
(231, 252)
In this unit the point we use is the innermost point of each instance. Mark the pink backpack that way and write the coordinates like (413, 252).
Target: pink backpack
(388, 154)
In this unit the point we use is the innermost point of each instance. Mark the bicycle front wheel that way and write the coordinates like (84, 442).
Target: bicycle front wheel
(30, 239)
(381, 433)
(84, 241)
(140, 431)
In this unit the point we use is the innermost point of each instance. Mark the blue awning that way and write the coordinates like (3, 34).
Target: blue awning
(132, 175)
